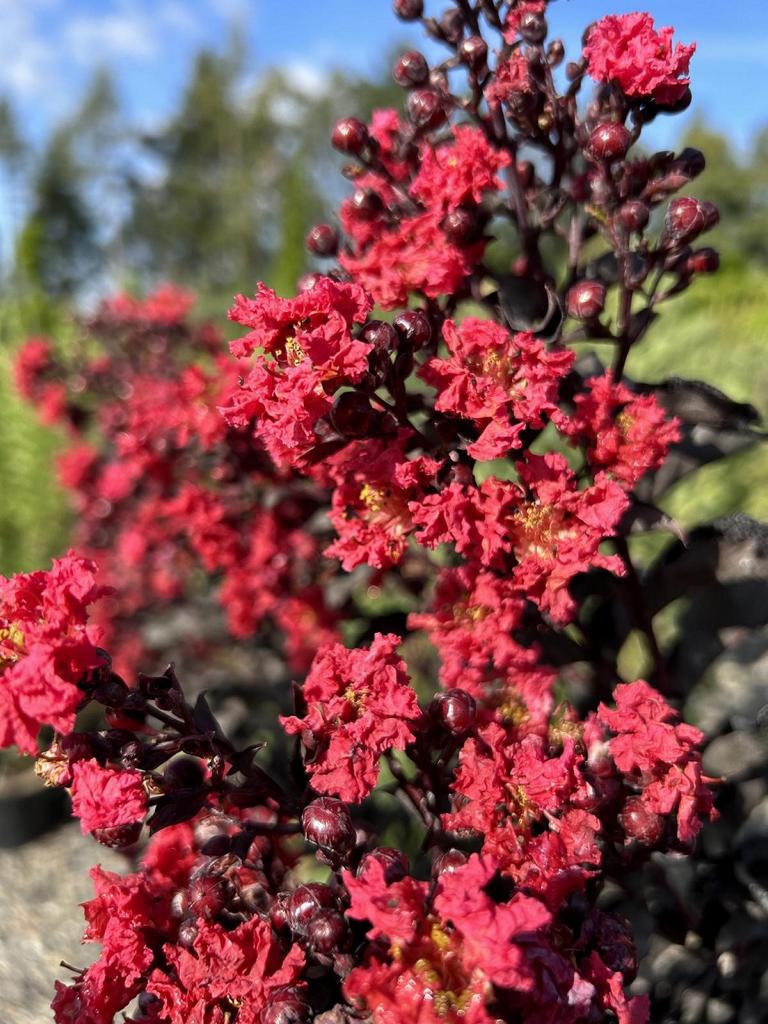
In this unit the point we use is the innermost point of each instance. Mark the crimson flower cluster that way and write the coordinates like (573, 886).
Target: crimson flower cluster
(411, 431)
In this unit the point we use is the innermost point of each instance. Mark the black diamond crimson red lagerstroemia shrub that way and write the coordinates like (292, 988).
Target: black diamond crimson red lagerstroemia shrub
(333, 450)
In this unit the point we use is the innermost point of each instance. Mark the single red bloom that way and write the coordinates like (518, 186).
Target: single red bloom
(458, 172)
(105, 798)
(511, 78)
(359, 705)
(626, 49)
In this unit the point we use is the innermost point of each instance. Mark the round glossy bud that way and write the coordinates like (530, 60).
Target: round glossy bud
(462, 226)
(326, 932)
(395, 863)
(350, 135)
(366, 203)
(381, 335)
(187, 933)
(533, 27)
(585, 300)
(448, 862)
(555, 53)
(640, 824)
(119, 837)
(306, 902)
(609, 141)
(286, 1006)
(308, 281)
(352, 415)
(327, 823)
(426, 109)
(217, 846)
(687, 217)
(455, 710)
(634, 215)
(473, 51)
(526, 173)
(409, 10)
(323, 240)
(703, 261)
(413, 327)
(691, 161)
(207, 896)
(411, 69)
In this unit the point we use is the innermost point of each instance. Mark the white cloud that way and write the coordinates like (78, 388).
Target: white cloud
(95, 37)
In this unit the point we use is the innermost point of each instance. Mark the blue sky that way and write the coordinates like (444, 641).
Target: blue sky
(48, 48)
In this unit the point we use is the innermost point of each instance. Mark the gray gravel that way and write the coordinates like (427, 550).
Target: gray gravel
(41, 923)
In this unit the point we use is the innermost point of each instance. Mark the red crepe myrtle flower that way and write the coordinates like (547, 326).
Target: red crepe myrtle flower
(626, 435)
(166, 307)
(106, 798)
(371, 504)
(503, 382)
(458, 172)
(626, 49)
(45, 648)
(415, 256)
(359, 705)
(511, 78)
(514, 17)
(226, 971)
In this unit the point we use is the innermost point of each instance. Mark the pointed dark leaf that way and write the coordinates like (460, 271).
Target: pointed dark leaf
(175, 808)
(697, 403)
(530, 305)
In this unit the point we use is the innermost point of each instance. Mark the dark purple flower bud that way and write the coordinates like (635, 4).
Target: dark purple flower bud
(352, 415)
(286, 1006)
(306, 902)
(447, 862)
(609, 141)
(119, 837)
(463, 226)
(585, 300)
(413, 327)
(327, 823)
(409, 10)
(634, 215)
(326, 932)
(533, 27)
(473, 51)
(183, 773)
(367, 203)
(207, 896)
(411, 69)
(279, 916)
(426, 109)
(350, 135)
(395, 863)
(323, 240)
(641, 824)
(686, 218)
(455, 710)
(452, 24)
(381, 335)
(703, 261)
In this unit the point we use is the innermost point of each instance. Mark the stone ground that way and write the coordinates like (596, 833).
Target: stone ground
(41, 885)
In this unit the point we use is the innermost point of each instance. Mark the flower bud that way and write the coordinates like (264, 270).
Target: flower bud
(409, 10)
(306, 901)
(703, 261)
(367, 203)
(352, 415)
(381, 335)
(455, 710)
(462, 226)
(452, 24)
(555, 53)
(609, 141)
(411, 69)
(426, 109)
(182, 773)
(585, 300)
(323, 240)
(686, 218)
(327, 823)
(286, 1006)
(350, 135)
(207, 896)
(414, 327)
(395, 863)
(639, 823)
(533, 27)
(473, 51)
(326, 932)
(448, 862)
(634, 215)
(119, 837)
